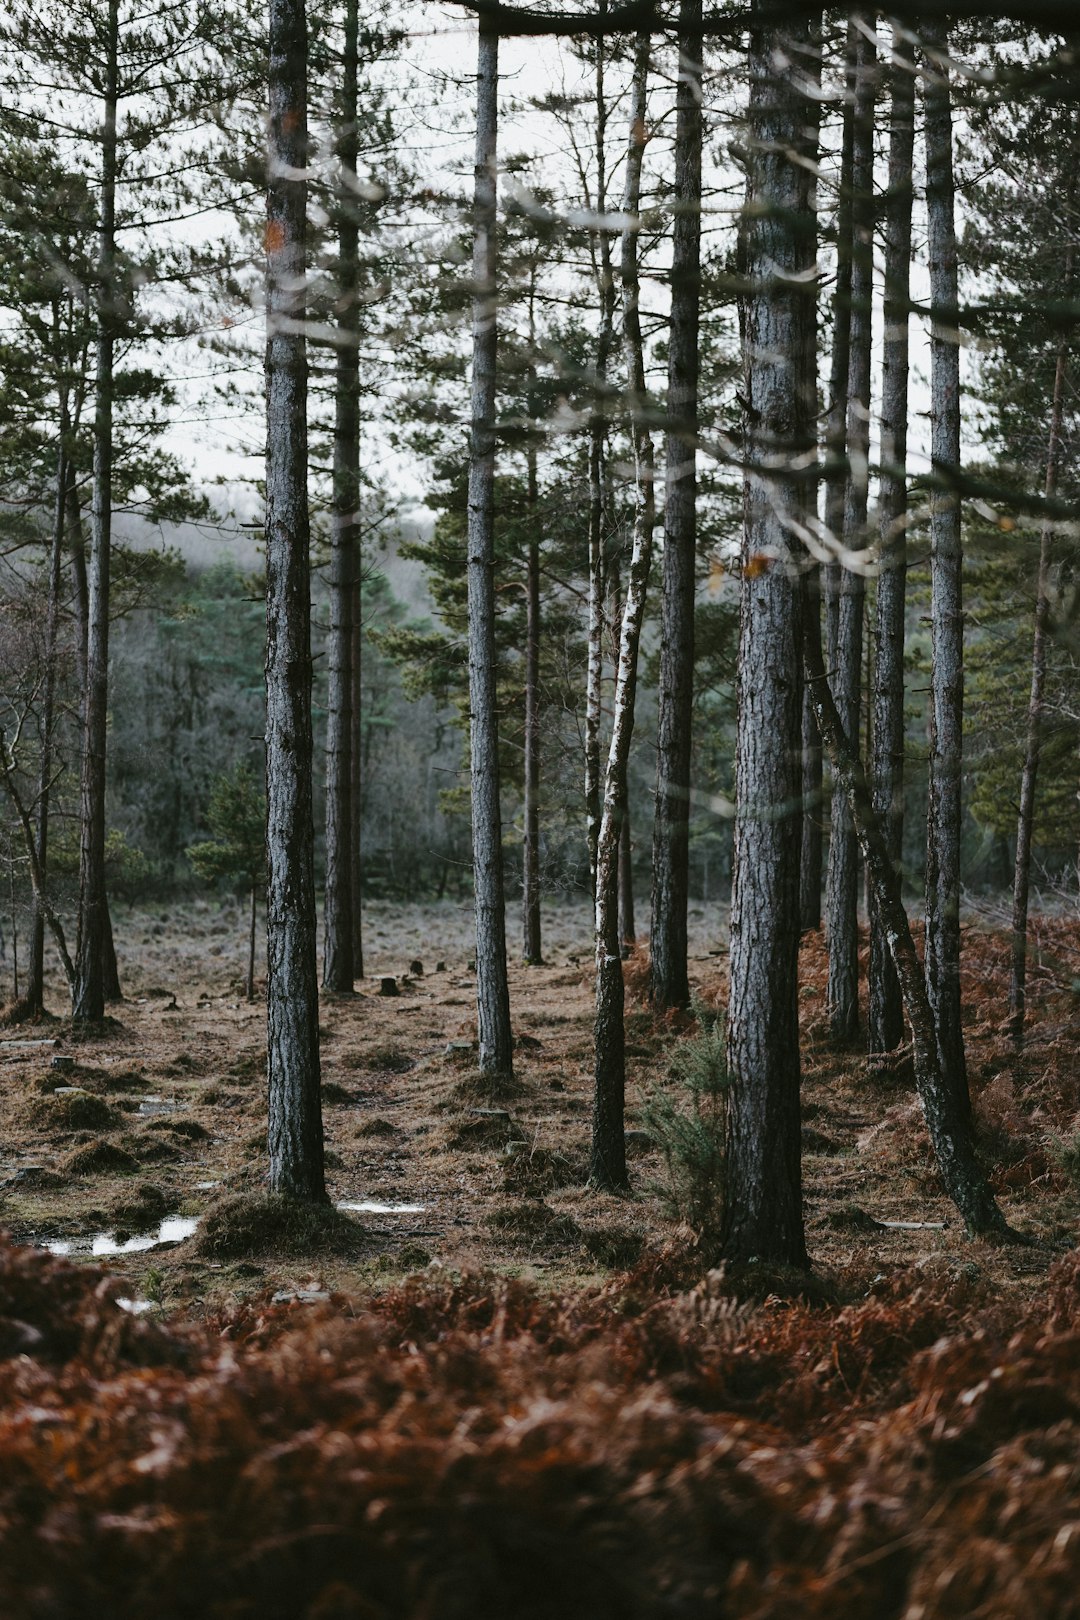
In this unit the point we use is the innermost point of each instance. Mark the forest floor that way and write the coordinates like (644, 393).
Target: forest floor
(495, 1369)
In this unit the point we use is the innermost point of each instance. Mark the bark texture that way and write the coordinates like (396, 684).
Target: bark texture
(1025, 821)
(607, 1162)
(842, 883)
(886, 1015)
(946, 580)
(671, 824)
(295, 1134)
(763, 1217)
(341, 891)
(88, 994)
(492, 992)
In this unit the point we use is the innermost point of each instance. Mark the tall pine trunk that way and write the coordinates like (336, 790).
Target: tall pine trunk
(88, 995)
(340, 895)
(356, 762)
(492, 991)
(763, 1215)
(295, 1134)
(842, 884)
(1033, 739)
(607, 1162)
(886, 1014)
(671, 825)
(946, 580)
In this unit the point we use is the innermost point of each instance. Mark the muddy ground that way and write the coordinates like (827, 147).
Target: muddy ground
(161, 1115)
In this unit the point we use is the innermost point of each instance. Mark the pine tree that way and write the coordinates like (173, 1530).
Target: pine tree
(763, 1217)
(295, 1135)
(667, 936)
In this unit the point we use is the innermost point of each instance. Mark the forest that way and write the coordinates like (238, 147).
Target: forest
(539, 810)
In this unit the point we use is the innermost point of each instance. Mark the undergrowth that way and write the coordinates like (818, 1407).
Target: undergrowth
(686, 1120)
(477, 1448)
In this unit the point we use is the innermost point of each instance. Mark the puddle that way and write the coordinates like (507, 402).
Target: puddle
(157, 1105)
(173, 1229)
(372, 1206)
(136, 1307)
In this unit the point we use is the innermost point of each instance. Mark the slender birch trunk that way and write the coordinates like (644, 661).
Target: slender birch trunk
(840, 355)
(842, 884)
(492, 991)
(340, 894)
(763, 1217)
(1033, 740)
(886, 1013)
(88, 996)
(813, 827)
(295, 1134)
(607, 1163)
(605, 287)
(946, 580)
(671, 825)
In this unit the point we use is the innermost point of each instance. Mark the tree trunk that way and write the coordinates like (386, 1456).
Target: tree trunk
(249, 984)
(1033, 740)
(338, 970)
(110, 972)
(80, 587)
(627, 926)
(88, 995)
(763, 1216)
(671, 825)
(295, 1134)
(355, 798)
(532, 944)
(492, 991)
(607, 1162)
(35, 976)
(811, 827)
(840, 362)
(842, 884)
(886, 1013)
(949, 1124)
(605, 288)
(946, 567)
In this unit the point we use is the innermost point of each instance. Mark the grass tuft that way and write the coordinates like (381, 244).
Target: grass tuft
(248, 1226)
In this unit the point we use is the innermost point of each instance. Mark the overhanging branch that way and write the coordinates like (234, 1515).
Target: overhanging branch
(1054, 16)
